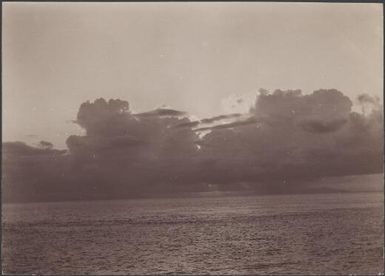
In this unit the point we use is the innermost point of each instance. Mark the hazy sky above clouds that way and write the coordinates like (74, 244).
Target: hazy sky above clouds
(195, 57)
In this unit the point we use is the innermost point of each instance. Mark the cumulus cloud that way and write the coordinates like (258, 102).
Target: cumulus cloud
(237, 103)
(297, 136)
(45, 145)
(285, 137)
(317, 126)
(365, 98)
(292, 104)
(368, 103)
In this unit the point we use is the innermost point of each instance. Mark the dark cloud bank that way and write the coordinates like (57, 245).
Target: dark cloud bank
(285, 140)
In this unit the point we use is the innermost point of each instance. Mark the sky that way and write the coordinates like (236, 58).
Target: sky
(196, 57)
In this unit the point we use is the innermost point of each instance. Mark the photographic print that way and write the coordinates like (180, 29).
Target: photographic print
(194, 138)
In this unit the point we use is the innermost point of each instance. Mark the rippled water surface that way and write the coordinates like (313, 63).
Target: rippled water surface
(306, 234)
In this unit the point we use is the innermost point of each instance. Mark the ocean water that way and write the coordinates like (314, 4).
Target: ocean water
(275, 234)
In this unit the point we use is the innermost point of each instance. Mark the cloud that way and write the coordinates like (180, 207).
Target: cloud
(285, 138)
(237, 103)
(321, 104)
(368, 103)
(209, 120)
(45, 145)
(317, 126)
(365, 98)
(230, 125)
(21, 149)
(220, 117)
(161, 112)
(188, 124)
(298, 136)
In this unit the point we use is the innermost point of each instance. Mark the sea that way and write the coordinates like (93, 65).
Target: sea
(331, 233)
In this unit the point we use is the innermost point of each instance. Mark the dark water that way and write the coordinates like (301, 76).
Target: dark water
(306, 234)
